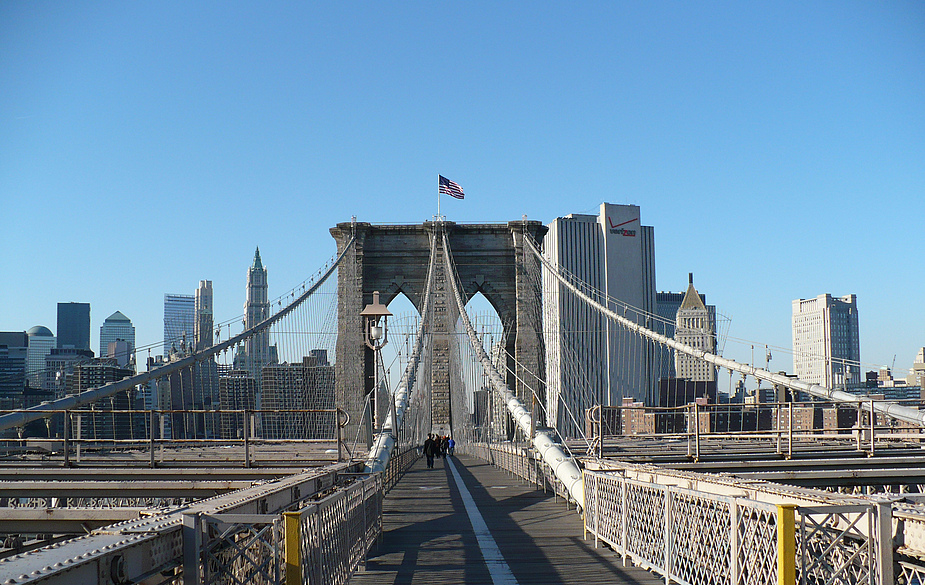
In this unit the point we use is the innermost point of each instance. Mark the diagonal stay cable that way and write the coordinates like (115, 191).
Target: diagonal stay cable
(891, 409)
(563, 466)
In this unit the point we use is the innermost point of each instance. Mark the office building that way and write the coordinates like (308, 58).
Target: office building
(256, 351)
(117, 327)
(308, 385)
(237, 393)
(108, 417)
(695, 325)
(179, 319)
(59, 366)
(41, 342)
(203, 308)
(826, 343)
(916, 376)
(74, 325)
(666, 307)
(591, 360)
(13, 348)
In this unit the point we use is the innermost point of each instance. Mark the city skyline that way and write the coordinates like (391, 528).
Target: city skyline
(776, 150)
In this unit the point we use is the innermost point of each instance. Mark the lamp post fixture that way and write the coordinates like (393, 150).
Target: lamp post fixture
(376, 336)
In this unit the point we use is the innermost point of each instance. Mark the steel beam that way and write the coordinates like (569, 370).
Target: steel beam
(63, 520)
(118, 489)
(141, 548)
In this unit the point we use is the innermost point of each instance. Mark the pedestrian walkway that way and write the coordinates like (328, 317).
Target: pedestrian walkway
(521, 535)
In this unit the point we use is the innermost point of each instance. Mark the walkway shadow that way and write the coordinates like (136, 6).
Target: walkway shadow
(540, 538)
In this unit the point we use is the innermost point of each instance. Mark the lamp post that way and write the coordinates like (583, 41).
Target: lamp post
(376, 336)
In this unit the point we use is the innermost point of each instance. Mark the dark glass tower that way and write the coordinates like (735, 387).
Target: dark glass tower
(74, 325)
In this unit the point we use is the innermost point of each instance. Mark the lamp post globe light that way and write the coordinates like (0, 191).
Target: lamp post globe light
(376, 335)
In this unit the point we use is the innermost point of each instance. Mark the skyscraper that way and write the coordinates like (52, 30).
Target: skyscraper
(41, 342)
(203, 315)
(257, 352)
(826, 341)
(117, 327)
(179, 319)
(695, 325)
(74, 325)
(13, 351)
(591, 360)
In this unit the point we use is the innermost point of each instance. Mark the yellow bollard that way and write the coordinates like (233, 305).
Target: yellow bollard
(293, 553)
(786, 544)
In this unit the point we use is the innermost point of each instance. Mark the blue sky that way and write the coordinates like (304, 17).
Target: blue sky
(777, 148)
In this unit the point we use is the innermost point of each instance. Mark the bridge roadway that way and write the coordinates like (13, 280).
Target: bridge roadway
(428, 535)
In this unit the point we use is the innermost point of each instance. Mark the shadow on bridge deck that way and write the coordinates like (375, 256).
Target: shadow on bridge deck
(428, 537)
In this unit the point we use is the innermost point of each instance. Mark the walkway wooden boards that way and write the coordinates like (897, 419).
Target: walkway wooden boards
(428, 537)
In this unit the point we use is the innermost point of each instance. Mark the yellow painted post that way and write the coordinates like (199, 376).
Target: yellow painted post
(293, 552)
(786, 544)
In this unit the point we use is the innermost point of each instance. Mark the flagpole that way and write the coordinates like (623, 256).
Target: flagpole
(438, 197)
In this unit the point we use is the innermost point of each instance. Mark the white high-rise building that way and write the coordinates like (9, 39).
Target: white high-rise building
(826, 343)
(41, 342)
(203, 306)
(117, 327)
(589, 359)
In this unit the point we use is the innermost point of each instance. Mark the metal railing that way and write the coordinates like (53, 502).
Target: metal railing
(327, 540)
(786, 425)
(520, 461)
(695, 537)
(78, 433)
(399, 462)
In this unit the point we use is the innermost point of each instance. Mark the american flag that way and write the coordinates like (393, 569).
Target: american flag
(448, 187)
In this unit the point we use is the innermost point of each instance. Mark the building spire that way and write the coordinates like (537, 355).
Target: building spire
(692, 299)
(257, 263)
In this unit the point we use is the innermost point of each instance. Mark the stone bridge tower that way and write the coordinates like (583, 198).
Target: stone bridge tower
(490, 258)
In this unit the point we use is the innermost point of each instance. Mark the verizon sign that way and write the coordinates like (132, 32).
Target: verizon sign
(619, 230)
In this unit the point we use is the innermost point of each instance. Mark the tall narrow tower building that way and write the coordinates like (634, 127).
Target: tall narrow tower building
(203, 306)
(256, 352)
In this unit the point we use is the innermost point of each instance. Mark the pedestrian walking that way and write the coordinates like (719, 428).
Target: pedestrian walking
(451, 447)
(431, 448)
(444, 445)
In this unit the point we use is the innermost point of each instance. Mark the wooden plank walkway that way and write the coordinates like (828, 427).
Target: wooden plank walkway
(428, 537)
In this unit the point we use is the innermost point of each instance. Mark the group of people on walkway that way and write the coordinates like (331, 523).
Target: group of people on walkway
(437, 446)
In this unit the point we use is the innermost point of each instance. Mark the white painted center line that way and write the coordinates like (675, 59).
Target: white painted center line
(497, 567)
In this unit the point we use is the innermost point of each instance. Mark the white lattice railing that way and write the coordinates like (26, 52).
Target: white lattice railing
(694, 537)
(520, 461)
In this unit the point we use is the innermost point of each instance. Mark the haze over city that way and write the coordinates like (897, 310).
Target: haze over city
(777, 149)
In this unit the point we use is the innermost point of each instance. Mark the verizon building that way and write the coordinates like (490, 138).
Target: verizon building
(589, 359)
(826, 342)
